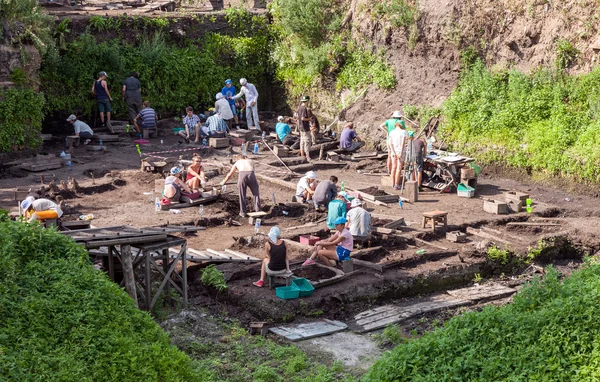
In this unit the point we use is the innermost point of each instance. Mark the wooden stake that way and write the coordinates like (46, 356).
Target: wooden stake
(128, 274)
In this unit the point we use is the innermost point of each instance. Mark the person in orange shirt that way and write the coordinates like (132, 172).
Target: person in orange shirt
(40, 209)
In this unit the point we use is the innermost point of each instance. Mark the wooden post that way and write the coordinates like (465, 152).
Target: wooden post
(411, 191)
(184, 275)
(165, 253)
(148, 280)
(111, 263)
(128, 272)
(321, 153)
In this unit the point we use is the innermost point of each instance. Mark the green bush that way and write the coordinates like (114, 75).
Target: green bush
(400, 13)
(21, 115)
(213, 277)
(549, 333)
(27, 22)
(64, 321)
(306, 19)
(363, 68)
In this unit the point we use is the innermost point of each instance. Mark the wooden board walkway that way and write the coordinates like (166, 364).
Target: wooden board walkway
(482, 292)
(309, 330)
(210, 255)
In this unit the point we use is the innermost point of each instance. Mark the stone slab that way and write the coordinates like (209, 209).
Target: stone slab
(309, 330)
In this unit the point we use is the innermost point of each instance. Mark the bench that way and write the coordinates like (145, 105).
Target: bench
(285, 277)
(434, 217)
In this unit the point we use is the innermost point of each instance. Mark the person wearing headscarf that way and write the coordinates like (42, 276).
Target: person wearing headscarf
(174, 186)
(306, 187)
(40, 209)
(276, 261)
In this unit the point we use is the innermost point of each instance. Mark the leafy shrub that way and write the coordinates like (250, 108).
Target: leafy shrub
(363, 68)
(566, 54)
(306, 19)
(36, 23)
(21, 115)
(549, 332)
(213, 277)
(63, 320)
(400, 13)
(500, 256)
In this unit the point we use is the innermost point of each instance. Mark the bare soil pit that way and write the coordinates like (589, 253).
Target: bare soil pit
(314, 273)
(375, 191)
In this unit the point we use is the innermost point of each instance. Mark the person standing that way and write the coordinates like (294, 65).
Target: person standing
(100, 91)
(228, 92)
(132, 95)
(388, 126)
(396, 146)
(251, 94)
(304, 128)
(419, 151)
(82, 129)
(246, 179)
(349, 140)
(223, 109)
(148, 117)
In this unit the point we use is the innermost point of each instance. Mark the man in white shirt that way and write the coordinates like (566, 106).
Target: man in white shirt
(223, 109)
(359, 220)
(82, 129)
(306, 187)
(251, 94)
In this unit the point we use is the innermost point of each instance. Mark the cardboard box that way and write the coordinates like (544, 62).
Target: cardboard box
(218, 143)
(467, 173)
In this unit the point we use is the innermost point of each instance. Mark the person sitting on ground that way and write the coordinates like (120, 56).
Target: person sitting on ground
(388, 126)
(306, 187)
(284, 133)
(337, 248)
(325, 192)
(174, 186)
(192, 125)
(40, 209)
(396, 145)
(246, 179)
(147, 116)
(82, 129)
(195, 177)
(349, 140)
(359, 221)
(336, 209)
(419, 152)
(215, 125)
(276, 261)
(223, 109)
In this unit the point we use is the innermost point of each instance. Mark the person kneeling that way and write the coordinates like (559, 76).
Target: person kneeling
(174, 186)
(40, 209)
(276, 262)
(336, 248)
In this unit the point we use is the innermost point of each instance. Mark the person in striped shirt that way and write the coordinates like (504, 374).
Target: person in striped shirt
(147, 116)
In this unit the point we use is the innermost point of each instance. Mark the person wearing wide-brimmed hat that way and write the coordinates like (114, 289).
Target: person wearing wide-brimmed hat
(304, 121)
(388, 126)
(100, 91)
(336, 248)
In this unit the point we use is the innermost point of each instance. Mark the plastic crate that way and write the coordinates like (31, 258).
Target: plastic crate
(310, 240)
(465, 191)
(305, 287)
(287, 292)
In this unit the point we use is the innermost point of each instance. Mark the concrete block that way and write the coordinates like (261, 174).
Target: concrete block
(218, 143)
(456, 236)
(347, 266)
(515, 206)
(516, 196)
(281, 151)
(495, 207)
(386, 181)
(411, 191)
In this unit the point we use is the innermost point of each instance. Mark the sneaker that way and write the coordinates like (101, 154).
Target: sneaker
(308, 262)
(103, 124)
(396, 187)
(86, 142)
(258, 283)
(243, 214)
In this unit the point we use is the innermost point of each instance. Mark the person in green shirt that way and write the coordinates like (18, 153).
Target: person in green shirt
(388, 126)
(336, 209)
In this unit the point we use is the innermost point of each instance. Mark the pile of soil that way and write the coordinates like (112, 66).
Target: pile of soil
(315, 273)
(375, 191)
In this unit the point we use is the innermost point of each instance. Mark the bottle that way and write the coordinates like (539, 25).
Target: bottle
(429, 145)
(204, 143)
(70, 165)
(157, 204)
(101, 144)
(333, 134)
(400, 203)
(256, 226)
(264, 134)
(343, 186)
(127, 128)
(161, 141)
(420, 252)
(255, 151)
(201, 210)
(244, 151)
(62, 154)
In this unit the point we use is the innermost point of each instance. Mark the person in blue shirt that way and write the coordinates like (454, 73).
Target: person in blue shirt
(284, 133)
(229, 91)
(336, 209)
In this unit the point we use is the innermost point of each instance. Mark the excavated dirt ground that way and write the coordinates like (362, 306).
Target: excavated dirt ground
(116, 197)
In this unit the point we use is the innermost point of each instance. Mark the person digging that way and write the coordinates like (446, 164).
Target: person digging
(276, 262)
(336, 248)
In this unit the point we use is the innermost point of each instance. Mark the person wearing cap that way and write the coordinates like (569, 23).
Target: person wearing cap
(337, 248)
(418, 154)
(249, 91)
(304, 127)
(336, 209)
(306, 187)
(100, 91)
(174, 186)
(216, 127)
(223, 109)
(359, 221)
(82, 129)
(147, 116)
(40, 209)
(388, 126)
(349, 140)
(132, 95)
(284, 134)
(325, 192)
(396, 144)
(228, 92)
(192, 125)
(246, 179)
(276, 261)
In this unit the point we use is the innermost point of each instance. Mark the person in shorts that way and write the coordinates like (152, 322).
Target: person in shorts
(276, 261)
(337, 248)
(100, 91)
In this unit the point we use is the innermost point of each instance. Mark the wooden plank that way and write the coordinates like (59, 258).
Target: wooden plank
(395, 224)
(486, 235)
(275, 181)
(309, 330)
(220, 254)
(528, 224)
(386, 231)
(367, 264)
(430, 244)
(206, 198)
(482, 292)
(124, 241)
(243, 255)
(128, 274)
(256, 214)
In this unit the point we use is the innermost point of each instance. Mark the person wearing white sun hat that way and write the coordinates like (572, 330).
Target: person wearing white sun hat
(40, 209)
(359, 221)
(306, 187)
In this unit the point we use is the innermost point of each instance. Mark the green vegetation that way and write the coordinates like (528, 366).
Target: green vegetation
(544, 121)
(21, 115)
(63, 320)
(400, 13)
(500, 256)
(566, 54)
(26, 21)
(213, 277)
(550, 332)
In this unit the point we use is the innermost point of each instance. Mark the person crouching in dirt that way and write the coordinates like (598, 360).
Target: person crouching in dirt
(276, 262)
(336, 248)
(192, 125)
(284, 133)
(246, 179)
(349, 140)
(325, 192)
(306, 187)
(174, 186)
(82, 129)
(336, 209)
(195, 177)
(40, 209)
